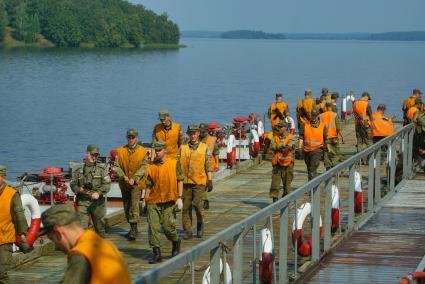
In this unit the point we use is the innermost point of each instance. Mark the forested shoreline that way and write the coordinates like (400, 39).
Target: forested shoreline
(84, 23)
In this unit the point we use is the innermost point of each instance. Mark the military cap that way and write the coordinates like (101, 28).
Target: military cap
(335, 95)
(314, 112)
(279, 95)
(308, 91)
(328, 104)
(92, 149)
(417, 91)
(366, 94)
(203, 127)
(159, 145)
(192, 128)
(132, 132)
(2, 170)
(381, 107)
(325, 90)
(57, 215)
(163, 113)
(281, 124)
(418, 101)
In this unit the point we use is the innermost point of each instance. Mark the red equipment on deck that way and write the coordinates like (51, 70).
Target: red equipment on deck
(53, 179)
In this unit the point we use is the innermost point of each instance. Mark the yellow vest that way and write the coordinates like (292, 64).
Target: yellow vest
(164, 179)
(329, 118)
(7, 228)
(313, 137)
(106, 263)
(170, 137)
(193, 164)
(283, 158)
(411, 112)
(281, 106)
(130, 162)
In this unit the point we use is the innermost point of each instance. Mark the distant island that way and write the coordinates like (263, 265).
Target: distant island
(247, 34)
(84, 23)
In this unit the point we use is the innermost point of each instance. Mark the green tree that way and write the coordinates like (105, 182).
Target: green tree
(3, 20)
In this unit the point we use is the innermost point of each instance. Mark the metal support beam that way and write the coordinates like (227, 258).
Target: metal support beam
(283, 246)
(215, 265)
(351, 198)
(328, 214)
(315, 213)
(392, 164)
(378, 177)
(237, 258)
(370, 182)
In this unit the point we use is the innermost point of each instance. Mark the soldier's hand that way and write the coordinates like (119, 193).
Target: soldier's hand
(82, 190)
(209, 186)
(131, 181)
(24, 247)
(126, 179)
(95, 196)
(179, 203)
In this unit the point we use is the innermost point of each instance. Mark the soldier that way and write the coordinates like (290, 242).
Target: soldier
(325, 95)
(314, 134)
(170, 132)
(130, 166)
(414, 111)
(304, 108)
(410, 102)
(330, 118)
(91, 259)
(195, 161)
(211, 142)
(334, 100)
(276, 110)
(12, 224)
(381, 126)
(164, 189)
(91, 183)
(283, 146)
(363, 113)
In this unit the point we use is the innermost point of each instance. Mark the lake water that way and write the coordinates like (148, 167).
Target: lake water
(55, 102)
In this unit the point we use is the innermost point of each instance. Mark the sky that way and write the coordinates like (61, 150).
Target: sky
(293, 16)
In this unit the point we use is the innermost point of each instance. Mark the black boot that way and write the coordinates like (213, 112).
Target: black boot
(206, 204)
(176, 248)
(133, 232)
(199, 230)
(156, 256)
(274, 199)
(187, 236)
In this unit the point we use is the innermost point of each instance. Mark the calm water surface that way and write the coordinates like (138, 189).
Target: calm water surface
(55, 102)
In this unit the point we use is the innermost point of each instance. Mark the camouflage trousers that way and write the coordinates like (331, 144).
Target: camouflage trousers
(162, 214)
(284, 175)
(94, 209)
(193, 196)
(332, 156)
(364, 137)
(312, 160)
(5, 260)
(130, 200)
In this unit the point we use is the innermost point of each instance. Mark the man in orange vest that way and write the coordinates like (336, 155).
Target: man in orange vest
(276, 110)
(314, 135)
(414, 111)
(325, 95)
(381, 126)
(410, 102)
(211, 142)
(91, 258)
(363, 113)
(282, 145)
(195, 161)
(130, 166)
(332, 153)
(304, 107)
(164, 189)
(170, 132)
(12, 224)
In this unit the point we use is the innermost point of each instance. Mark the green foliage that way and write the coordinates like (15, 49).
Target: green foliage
(3, 20)
(100, 23)
(246, 34)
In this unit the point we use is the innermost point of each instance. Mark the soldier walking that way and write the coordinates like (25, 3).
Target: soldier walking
(164, 189)
(363, 114)
(331, 121)
(131, 164)
(91, 183)
(276, 110)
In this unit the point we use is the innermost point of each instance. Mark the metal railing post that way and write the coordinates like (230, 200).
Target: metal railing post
(392, 164)
(370, 182)
(328, 214)
(254, 261)
(283, 245)
(215, 265)
(404, 150)
(410, 153)
(237, 258)
(351, 190)
(378, 177)
(315, 213)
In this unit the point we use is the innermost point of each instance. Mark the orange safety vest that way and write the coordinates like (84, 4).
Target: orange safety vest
(321, 106)
(7, 228)
(170, 137)
(381, 126)
(164, 179)
(307, 105)
(411, 112)
(281, 106)
(283, 158)
(211, 140)
(408, 103)
(193, 164)
(360, 109)
(313, 137)
(329, 118)
(106, 262)
(131, 161)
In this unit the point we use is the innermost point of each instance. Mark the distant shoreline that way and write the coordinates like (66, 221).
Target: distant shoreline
(249, 34)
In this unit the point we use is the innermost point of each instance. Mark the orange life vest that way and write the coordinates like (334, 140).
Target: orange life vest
(283, 158)
(381, 126)
(193, 164)
(170, 137)
(313, 137)
(106, 262)
(305, 105)
(7, 228)
(281, 106)
(131, 161)
(211, 140)
(360, 109)
(164, 179)
(408, 103)
(329, 118)
(411, 112)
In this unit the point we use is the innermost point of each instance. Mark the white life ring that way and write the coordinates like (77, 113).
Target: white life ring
(335, 209)
(358, 194)
(304, 246)
(206, 279)
(266, 257)
(231, 142)
(28, 201)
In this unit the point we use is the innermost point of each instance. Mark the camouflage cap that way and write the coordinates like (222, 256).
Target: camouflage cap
(192, 128)
(314, 112)
(163, 113)
(417, 91)
(308, 92)
(203, 127)
(381, 107)
(335, 95)
(132, 132)
(279, 95)
(92, 149)
(328, 104)
(57, 215)
(2, 170)
(418, 101)
(159, 145)
(325, 90)
(282, 124)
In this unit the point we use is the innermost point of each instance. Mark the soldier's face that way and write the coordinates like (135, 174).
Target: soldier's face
(159, 153)
(57, 236)
(203, 133)
(89, 157)
(131, 140)
(194, 136)
(166, 120)
(2, 179)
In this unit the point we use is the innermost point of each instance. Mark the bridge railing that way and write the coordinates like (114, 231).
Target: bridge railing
(229, 244)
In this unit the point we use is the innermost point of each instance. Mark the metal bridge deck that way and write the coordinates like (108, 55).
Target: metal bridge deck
(388, 247)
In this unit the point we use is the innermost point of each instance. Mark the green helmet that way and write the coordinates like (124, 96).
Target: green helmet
(92, 149)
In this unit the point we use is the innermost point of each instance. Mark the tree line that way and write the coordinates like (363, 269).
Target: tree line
(75, 23)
